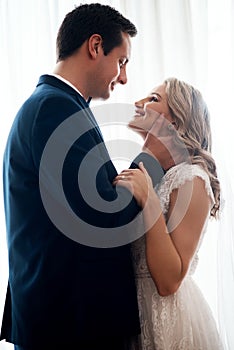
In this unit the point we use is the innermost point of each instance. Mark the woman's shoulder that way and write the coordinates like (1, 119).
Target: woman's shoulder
(179, 174)
(185, 172)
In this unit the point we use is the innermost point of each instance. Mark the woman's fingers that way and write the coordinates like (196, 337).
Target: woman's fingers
(142, 168)
(135, 176)
(129, 175)
(137, 181)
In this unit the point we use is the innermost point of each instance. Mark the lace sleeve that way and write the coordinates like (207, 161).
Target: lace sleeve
(176, 177)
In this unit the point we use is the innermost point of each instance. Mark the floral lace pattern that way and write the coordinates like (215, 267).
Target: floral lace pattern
(176, 177)
(182, 321)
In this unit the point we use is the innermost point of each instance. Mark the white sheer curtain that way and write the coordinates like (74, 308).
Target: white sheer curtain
(192, 40)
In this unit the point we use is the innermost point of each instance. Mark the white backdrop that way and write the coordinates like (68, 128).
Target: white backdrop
(192, 40)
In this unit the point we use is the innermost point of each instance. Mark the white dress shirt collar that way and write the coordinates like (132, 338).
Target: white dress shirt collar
(66, 82)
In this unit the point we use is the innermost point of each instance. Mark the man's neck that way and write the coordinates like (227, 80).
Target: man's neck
(58, 76)
(67, 71)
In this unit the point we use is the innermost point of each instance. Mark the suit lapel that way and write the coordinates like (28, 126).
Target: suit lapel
(96, 132)
(52, 80)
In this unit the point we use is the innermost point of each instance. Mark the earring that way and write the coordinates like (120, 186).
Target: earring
(171, 126)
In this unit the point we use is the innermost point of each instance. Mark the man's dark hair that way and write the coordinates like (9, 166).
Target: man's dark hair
(86, 20)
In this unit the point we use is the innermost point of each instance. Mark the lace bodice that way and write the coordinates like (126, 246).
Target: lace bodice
(176, 177)
(173, 179)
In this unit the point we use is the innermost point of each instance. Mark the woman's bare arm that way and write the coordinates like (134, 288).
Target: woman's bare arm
(169, 254)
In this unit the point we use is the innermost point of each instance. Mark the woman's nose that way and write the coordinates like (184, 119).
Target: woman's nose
(140, 103)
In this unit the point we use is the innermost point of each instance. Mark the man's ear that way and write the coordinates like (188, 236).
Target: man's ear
(94, 45)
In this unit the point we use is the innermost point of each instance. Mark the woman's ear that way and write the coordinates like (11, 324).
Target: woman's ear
(94, 45)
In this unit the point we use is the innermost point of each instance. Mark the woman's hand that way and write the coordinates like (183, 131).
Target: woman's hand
(137, 181)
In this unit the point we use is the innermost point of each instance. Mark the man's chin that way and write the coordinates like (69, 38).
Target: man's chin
(102, 98)
(106, 95)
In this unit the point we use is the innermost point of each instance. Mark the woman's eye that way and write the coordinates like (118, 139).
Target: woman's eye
(154, 99)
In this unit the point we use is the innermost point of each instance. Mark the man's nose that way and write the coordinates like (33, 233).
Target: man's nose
(122, 78)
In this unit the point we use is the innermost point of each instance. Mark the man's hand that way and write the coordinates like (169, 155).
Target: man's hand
(163, 143)
(143, 121)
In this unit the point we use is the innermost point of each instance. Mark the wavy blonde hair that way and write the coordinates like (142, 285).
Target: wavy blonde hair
(191, 116)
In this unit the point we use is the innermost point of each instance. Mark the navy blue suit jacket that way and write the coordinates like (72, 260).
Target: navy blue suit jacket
(60, 290)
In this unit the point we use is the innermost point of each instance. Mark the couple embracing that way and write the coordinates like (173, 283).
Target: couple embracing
(62, 293)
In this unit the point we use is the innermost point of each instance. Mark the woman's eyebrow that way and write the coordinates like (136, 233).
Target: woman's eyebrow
(156, 93)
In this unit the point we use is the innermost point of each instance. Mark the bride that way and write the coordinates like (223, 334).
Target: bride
(174, 315)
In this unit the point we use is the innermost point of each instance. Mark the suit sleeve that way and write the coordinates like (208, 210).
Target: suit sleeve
(151, 164)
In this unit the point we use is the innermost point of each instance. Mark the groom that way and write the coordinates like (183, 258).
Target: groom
(63, 294)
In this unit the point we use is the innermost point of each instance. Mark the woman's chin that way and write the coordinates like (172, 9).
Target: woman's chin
(138, 124)
(134, 126)
(136, 121)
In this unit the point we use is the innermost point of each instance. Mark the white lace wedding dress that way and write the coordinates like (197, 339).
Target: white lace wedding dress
(182, 321)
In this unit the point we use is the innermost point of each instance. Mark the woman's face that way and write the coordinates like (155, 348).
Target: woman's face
(155, 101)
(149, 109)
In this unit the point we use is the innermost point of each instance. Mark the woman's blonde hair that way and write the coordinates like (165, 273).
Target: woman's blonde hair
(192, 120)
